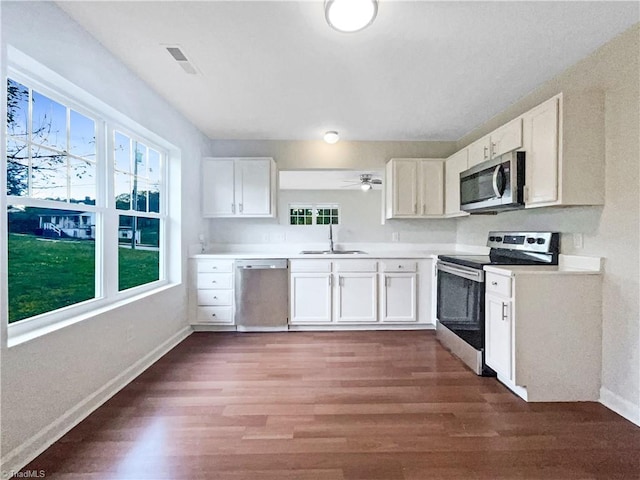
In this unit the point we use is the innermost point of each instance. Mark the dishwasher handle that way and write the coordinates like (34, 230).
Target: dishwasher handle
(261, 264)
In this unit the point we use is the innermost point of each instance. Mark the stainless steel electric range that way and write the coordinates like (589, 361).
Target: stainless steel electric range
(461, 289)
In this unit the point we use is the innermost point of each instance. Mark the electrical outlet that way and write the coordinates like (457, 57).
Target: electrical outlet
(578, 240)
(395, 237)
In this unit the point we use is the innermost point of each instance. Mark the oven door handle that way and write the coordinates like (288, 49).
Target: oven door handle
(471, 274)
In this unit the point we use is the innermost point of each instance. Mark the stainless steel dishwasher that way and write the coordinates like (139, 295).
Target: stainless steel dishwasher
(262, 300)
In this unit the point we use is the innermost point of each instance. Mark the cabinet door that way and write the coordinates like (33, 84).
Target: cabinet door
(455, 164)
(498, 346)
(479, 151)
(310, 298)
(356, 298)
(541, 145)
(405, 191)
(398, 297)
(431, 176)
(506, 138)
(253, 187)
(218, 188)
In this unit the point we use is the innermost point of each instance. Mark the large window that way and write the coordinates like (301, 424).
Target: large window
(81, 191)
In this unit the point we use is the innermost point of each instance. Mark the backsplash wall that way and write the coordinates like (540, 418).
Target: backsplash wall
(360, 222)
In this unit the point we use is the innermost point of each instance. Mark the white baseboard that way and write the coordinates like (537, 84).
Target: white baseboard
(345, 327)
(619, 405)
(20, 456)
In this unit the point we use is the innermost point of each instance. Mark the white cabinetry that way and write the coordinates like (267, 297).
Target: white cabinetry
(398, 290)
(238, 187)
(310, 291)
(479, 151)
(506, 138)
(414, 188)
(543, 332)
(213, 292)
(454, 165)
(352, 292)
(356, 291)
(564, 141)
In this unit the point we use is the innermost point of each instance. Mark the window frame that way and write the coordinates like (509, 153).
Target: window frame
(314, 207)
(33, 75)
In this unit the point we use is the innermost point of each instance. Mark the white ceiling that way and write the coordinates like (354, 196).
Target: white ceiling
(422, 71)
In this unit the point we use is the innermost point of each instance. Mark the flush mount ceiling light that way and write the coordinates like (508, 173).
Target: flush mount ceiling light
(365, 187)
(331, 137)
(350, 15)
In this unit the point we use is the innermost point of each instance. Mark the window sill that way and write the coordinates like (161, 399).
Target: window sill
(36, 332)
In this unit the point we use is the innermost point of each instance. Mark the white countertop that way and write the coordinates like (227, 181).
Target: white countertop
(381, 250)
(567, 265)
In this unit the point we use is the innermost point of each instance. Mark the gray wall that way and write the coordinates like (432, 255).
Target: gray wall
(611, 231)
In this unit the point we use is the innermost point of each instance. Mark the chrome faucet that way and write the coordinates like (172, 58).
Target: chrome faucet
(331, 238)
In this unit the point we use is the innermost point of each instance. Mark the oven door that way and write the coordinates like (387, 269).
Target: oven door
(460, 302)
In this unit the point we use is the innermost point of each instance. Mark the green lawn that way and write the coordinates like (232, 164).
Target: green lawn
(45, 275)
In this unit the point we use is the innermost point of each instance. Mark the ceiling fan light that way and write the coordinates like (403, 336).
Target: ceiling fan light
(350, 15)
(331, 137)
(365, 187)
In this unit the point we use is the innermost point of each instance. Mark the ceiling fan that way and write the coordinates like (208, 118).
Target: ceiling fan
(366, 182)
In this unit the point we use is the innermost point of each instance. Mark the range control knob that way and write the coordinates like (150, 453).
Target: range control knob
(492, 239)
(540, 241)
(498, 239)
(531, 240)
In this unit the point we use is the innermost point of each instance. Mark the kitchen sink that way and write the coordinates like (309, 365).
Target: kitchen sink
(335, 252)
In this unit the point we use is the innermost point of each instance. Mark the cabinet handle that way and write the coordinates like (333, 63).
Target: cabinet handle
(504, 311)
(424, 209)
(214, 268)
(400, 266)
(214, 281)
(233, 208)
(494, 283)
(494, 147)
(486, 153)
(415, 208)
(213, 314)
(215, 298)
(240, 205)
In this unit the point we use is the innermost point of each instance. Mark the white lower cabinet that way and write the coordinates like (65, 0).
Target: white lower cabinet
(361, 292)
(213, 295)
(398, 291)
(356, 298)
(543, 332)
(498, 334)
(310, 298)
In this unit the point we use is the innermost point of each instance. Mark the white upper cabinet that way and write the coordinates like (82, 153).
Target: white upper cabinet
(238, 187)
(414, 187)
(479, 151)
(455, 164)
(564, 144)
(541, 126)
(506, 138)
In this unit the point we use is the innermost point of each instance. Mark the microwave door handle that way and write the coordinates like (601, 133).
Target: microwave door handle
(496, 190)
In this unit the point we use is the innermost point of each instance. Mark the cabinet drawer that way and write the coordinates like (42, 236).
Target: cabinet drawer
(215, 315)
(215, 280)
(317, 266)
(498, 284)
(214, 297)
(398, 266)
(356, 265)
(215, 266)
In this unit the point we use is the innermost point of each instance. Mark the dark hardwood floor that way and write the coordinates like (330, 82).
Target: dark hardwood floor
(334, 405)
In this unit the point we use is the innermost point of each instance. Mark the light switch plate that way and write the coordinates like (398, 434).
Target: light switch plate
(395, 237)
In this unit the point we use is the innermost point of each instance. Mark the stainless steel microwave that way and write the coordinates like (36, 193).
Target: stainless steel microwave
(494, 185)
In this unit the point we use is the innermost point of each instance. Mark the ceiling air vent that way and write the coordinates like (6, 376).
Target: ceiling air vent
(179, 56)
